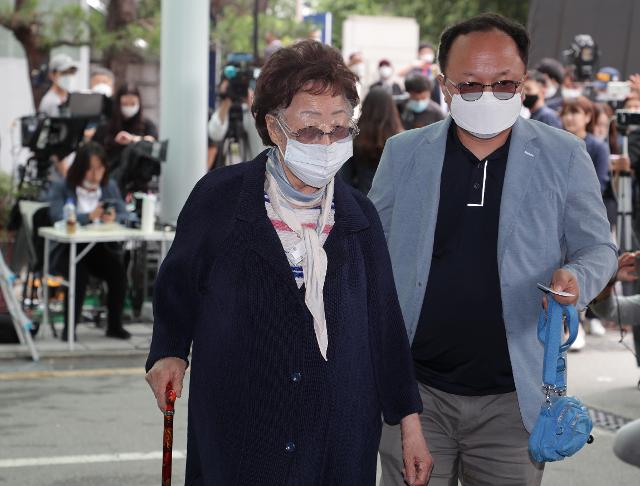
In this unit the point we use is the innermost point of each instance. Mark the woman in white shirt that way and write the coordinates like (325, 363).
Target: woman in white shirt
(97, 199)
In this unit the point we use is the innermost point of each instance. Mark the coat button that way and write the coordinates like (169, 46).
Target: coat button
(296, 377)
(290, 447)
(476, 185)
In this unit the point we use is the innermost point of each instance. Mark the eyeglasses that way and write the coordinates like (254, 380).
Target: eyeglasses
(503, 90)
(313, 135)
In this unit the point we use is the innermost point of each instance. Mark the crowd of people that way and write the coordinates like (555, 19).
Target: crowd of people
(83, 179)
(550, 95)
(366, 278)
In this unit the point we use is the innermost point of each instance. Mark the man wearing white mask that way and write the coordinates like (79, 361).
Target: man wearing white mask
(386, 81)
(477, 209)
(102, 81)
(279, 284)
(62, 71)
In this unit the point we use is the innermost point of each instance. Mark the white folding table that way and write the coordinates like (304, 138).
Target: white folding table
(89, 235)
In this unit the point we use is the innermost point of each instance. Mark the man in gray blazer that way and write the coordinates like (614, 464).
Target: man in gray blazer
(477, 209)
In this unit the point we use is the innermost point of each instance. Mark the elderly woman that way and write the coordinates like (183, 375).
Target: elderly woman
(280, 284)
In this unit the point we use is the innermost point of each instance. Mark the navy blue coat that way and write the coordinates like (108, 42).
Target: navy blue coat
(264, 406)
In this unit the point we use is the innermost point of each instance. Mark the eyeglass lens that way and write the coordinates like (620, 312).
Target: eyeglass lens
(314, 134)
(503, 90)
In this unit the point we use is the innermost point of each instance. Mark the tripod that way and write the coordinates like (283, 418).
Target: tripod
(624, 192)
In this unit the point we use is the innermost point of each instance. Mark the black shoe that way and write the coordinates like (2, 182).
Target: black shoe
(118, 333)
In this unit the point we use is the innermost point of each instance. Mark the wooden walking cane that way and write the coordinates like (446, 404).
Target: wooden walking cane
(167, 438)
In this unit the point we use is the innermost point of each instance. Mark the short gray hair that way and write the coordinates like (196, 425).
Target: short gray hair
(102, 71)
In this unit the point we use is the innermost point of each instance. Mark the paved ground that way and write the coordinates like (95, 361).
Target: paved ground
(91, 420)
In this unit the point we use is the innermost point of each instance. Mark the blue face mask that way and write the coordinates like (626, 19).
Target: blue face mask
(417, 106)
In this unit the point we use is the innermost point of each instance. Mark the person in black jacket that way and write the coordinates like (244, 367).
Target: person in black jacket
(127, 125)
(279, 286)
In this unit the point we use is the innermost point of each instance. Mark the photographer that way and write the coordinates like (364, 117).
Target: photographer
(127, 125)
(96, 198)
(623, 310)
(62, 72)
(233, 123)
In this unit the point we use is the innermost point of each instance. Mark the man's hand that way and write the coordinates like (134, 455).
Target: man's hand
(634, 81)
(627, 267)
(164, 371)
(415, 454)
(563, 281)
(620, 163)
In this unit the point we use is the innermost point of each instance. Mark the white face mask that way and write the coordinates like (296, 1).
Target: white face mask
(103, 89)
(65, 82)
(90, 186)
(487, 116)
(314, 164)
(428, 57)
(358, 69)
(385, 72)
(130, 111)
(571, 93)
(550, 91)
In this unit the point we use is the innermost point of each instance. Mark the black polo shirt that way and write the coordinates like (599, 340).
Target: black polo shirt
(460, 345)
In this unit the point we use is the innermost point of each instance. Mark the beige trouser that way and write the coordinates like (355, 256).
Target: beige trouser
(479, 441)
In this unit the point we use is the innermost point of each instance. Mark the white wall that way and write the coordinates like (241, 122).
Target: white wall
(15, 101)
(392, 38)
(15, 91)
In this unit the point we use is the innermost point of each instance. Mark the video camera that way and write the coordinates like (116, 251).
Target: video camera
(627, 120)
(59, 136)
(584, 54)
(140, 162)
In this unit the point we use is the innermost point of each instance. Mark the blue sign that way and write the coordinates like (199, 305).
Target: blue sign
(324, 23)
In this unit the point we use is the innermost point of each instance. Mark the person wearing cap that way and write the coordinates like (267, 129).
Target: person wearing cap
(386, 82)
(62, 70)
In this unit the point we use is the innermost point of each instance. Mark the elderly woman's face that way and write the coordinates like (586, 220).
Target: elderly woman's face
(311, 118)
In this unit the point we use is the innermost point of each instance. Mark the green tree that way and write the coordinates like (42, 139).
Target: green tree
(432, 16)
(232, 28)
(114, 37)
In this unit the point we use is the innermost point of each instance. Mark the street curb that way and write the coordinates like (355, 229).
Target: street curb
(88, 353)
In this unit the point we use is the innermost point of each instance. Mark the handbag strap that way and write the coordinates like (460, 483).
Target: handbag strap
(550, 332)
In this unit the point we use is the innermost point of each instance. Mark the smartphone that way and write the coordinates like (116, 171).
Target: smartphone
(108, 205)
(549, 290)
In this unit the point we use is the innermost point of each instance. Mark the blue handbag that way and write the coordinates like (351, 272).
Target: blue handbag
(563, 426)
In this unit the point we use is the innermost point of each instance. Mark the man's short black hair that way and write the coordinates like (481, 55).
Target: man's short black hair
(552, 68)
(538, 77)
(417, 83)
(484, 23)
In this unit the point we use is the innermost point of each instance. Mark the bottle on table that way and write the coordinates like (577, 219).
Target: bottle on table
(69, 211)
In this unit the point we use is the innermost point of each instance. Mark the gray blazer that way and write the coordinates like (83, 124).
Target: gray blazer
(551, 216)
